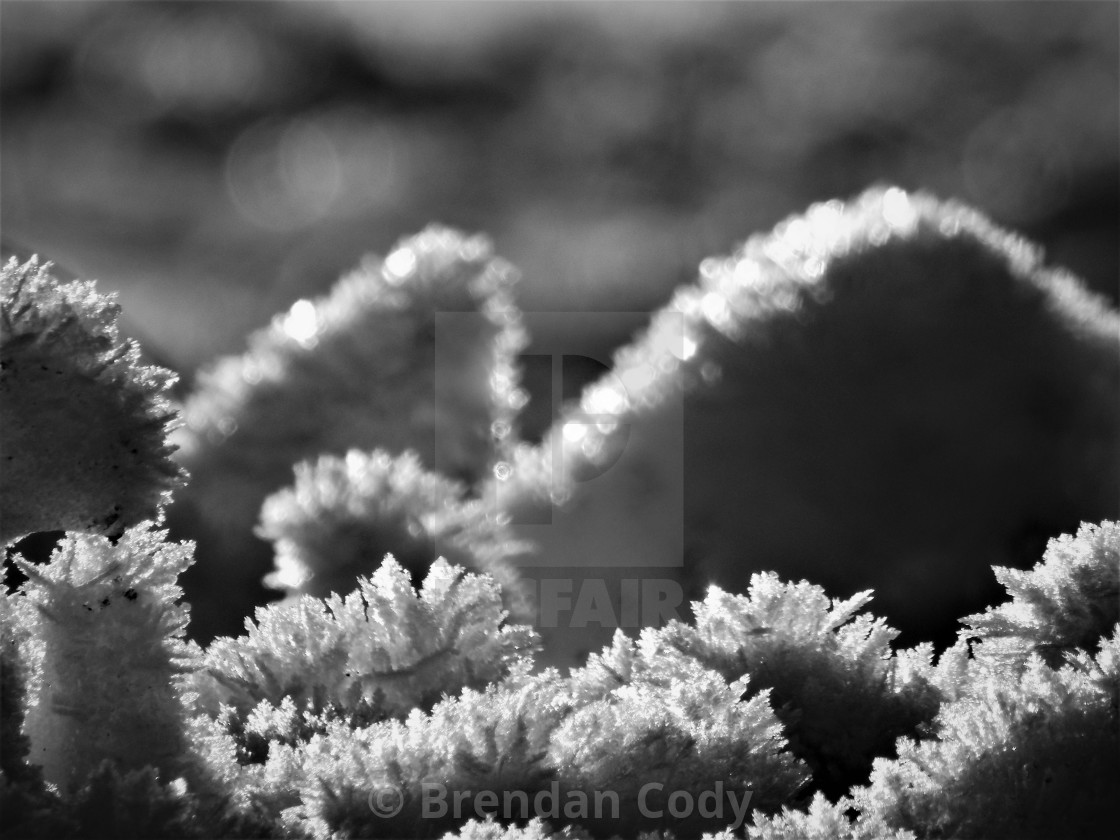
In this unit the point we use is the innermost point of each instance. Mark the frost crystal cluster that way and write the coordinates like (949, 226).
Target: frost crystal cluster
(413, 352)
(345, 514)
(84, 424)
(890, 393)
(357, 369)
(398, 689)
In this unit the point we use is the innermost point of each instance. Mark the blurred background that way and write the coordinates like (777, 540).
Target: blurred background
(215, 161)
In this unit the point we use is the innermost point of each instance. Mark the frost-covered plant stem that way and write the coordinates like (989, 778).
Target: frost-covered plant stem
(105, 649)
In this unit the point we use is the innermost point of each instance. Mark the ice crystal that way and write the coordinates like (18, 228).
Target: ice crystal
(822, 821)
(851, 384)
(84, 423)
(345, 514)
(106, 643)
(413, 352)
(493, 740)
(358, 369)
(378, 652)
(24, 798)
(1033, 757)
(668, 721)
(535, 829)
(1067, 602)
(858, 352)
(14, 744)
(830, 672)
(536, 735)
